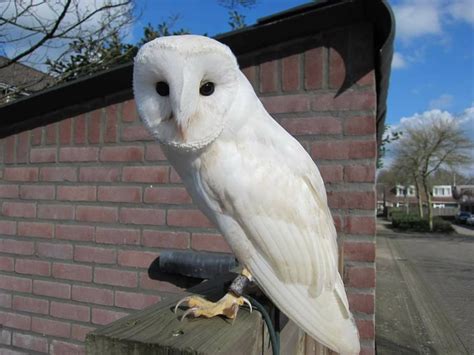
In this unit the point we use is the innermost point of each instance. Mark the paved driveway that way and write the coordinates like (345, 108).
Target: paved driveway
(425, 294)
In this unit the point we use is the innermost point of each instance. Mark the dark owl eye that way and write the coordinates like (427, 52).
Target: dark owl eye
(162, 88)
(207, 89)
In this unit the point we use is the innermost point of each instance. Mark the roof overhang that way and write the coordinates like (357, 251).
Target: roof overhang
(115, 85)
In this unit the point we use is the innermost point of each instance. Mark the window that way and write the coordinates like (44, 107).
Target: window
(442, 191)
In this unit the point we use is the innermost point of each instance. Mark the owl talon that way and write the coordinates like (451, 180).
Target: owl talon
(247, 302)
(180, 302)
(188, 312)
(227, 306)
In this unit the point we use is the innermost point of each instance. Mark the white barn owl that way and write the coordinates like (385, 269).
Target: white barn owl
(251, 178)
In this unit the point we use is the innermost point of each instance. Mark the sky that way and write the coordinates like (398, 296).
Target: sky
(433, 66)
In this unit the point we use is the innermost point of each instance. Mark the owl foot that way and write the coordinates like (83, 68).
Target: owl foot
(227, 306)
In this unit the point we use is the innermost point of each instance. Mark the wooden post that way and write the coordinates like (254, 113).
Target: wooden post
(157, 330)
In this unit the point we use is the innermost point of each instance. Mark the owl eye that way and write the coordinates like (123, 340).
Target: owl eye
(162, 88)
(206, 89)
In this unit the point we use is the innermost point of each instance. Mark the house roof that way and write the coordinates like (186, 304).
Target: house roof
(23, 77)
(115, 85)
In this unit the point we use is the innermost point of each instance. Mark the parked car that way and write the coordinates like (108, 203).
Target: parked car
(470, 221)
(462, 217)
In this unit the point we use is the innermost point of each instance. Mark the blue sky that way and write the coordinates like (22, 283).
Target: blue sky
(433, 67)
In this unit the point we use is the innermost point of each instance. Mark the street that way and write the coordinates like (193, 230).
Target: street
(425, 288)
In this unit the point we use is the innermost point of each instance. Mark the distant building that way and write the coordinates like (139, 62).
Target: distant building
(18, 80)
(464, 194)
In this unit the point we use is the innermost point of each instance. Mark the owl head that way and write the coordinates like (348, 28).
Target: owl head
(184, 87)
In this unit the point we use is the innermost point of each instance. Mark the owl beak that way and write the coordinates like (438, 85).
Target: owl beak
(184, 100)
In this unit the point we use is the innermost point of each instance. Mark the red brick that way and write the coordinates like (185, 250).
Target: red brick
(14, 320)
(70, 311)
(142, 216)
(353, 199)
(122, 153)
(367, 79)
(7, 227)
(360, 125)
(115, 277)
(338, 221)
(354, 251)
(161, 286)
(361, 302)
(72, 272)
(79, 332)
(286, 103)
(65, 132)
(56, 212)
(96, 214)
(75, 232)
(52, 289)
(37, 192)
(93, 126)
(14, 283)
(5, 302)
(348, 100)
(360, 225)
(312, 125)
(33, 267)
(166, 240)
(134, 300)
(251, 74)
(19, 209)
(129, 111)
(154, 152)
(16, 247)
(120, 193)
(174, 177)
(290, 73)
(167, 195)
(94, 255)
(209, 242)
(313, 67)
(188, 218)
(8, 191)
(117, 236)
(366, 328)
(43, 155)
(132, 258)
(80, 129)
(77, 193)
(20, 174)
(30, 342)
(135, 133)
(360, 277)
(29, 304)
(331, 173)
(62, 347)
(10, 149)
(51, 327)
(36, 135)
(150, 174)
(337, 67)
(58, 174)
(110, 134)
(92, 295)
(99, 174)
(268, 76)
(23, 147)
(359, 173)
(51, 133)
(54, 250)
(6, 263)
(78, 154)
(344, 149)
(104, 316)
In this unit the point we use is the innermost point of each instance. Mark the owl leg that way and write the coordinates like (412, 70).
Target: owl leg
(227, 306)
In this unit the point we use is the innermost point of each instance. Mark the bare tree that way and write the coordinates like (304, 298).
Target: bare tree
(427, 145)
(32, 31)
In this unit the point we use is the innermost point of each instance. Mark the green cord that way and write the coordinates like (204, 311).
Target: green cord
(274, 335)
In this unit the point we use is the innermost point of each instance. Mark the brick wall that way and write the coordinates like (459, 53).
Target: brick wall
(87, 203)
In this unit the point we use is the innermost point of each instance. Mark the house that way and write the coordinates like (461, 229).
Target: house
(464, 194)
(88, 200)
(19, 80)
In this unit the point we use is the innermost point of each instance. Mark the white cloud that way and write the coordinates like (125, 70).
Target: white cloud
(462, 10)
(398, 61)
(443, 102)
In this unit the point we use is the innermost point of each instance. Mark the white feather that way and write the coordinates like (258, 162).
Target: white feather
(264, 193)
